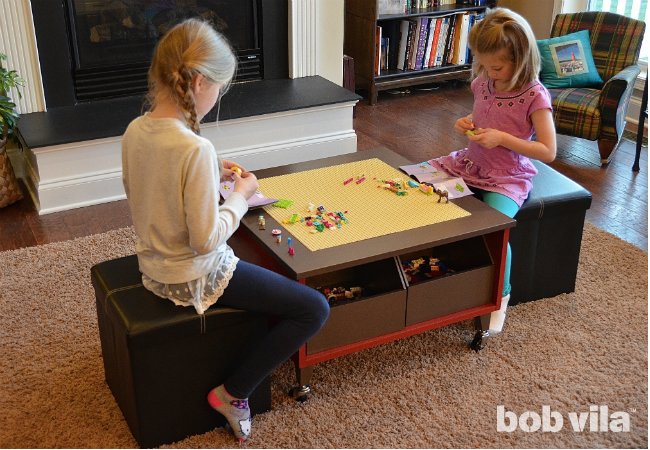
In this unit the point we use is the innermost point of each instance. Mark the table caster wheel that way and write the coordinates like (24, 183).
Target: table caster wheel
(300, 393)
(480, 339)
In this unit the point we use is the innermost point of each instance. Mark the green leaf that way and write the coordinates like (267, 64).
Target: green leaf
(9, 81)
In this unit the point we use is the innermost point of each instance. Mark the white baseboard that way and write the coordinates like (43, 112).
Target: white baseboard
(90, 172)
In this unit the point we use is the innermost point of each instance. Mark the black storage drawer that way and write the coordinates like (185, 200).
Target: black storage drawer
(468, 283)
(449, 294)
(360, 320)
(380, 310)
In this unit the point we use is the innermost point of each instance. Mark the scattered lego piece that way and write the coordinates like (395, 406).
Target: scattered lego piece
(348, 181)
(283, 203)
(261, 222)
(442, 193)
(291, 220)
(397, 190)
(425, 267)
(430, 189)
(395, 185)
(339, 293)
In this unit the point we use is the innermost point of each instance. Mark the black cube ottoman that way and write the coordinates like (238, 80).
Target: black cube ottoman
(546, 241)
(160, 360)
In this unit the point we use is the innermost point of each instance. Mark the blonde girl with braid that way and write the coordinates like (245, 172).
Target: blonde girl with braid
(171, 176)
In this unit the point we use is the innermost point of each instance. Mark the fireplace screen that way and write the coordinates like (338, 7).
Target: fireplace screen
(113, 40)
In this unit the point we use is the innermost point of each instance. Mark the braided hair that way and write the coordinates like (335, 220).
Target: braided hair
(188, 49)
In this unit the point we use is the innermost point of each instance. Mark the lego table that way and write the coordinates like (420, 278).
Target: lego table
(390, 307)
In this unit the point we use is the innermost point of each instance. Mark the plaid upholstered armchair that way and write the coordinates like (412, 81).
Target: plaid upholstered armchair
(599, 114)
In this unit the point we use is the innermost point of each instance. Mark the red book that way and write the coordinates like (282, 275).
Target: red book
(434, 43)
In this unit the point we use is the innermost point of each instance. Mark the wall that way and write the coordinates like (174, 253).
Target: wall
(572, 6)
(329, 50)
(539, 13)
(316, 39)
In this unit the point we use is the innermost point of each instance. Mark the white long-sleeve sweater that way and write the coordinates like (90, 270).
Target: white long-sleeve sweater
(171, 178)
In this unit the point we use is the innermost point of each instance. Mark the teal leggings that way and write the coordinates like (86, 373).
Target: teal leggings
(509, 207)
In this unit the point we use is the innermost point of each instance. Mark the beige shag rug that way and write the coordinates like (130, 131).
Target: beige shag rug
(573, 354)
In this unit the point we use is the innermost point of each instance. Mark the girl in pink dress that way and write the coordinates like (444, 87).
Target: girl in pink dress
(510, 107)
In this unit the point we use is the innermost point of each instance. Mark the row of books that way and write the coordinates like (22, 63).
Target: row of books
(424, 42)
(405, 6)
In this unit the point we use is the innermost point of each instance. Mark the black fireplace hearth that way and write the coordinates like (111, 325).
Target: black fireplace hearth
(92, 51)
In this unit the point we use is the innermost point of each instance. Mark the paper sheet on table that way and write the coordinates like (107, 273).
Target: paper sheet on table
(424, 172)
(257, 199)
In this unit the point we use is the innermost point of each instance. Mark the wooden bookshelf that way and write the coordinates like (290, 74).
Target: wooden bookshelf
(362, 17)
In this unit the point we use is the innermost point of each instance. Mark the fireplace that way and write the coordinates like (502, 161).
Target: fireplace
(96, 50)
(112, 41)
(72, 150)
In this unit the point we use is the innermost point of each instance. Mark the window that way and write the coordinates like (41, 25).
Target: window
(637, 9)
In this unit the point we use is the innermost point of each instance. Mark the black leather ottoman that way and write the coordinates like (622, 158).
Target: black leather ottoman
(160, 360)
(546, 241)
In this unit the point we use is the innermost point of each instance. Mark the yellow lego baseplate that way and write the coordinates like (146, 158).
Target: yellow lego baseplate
(372, 211)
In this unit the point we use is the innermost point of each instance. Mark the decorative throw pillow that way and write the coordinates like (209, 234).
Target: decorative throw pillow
(567, 61)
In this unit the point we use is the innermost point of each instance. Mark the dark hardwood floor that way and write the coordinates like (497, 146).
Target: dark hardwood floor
(417, 125)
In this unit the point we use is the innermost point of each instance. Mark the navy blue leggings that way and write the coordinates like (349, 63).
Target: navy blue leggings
(300, 312)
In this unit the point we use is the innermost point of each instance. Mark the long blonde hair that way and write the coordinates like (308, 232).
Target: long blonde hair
(190, 48)
(503, 29)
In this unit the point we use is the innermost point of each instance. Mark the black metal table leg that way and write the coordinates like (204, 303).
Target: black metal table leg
(481, 325)
(303, 377)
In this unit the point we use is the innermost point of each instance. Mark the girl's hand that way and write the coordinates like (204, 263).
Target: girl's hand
(543, 148)
(246, 184)
(487, 137)
(229, 168)
(464, 124)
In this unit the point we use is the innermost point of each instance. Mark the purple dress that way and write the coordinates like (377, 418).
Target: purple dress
(499, 169)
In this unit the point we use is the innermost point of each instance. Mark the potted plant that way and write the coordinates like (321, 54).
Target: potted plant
(9, 79)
